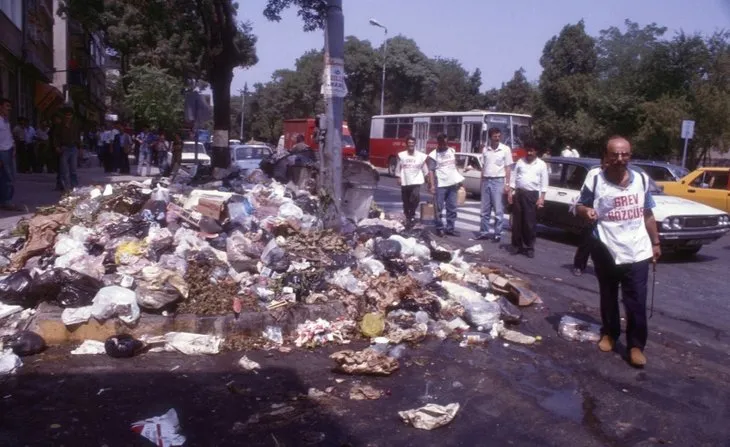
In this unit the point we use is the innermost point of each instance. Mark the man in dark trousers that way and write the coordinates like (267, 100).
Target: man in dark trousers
(411, 173)
(617, 200)
(528, 186)
(444, 183)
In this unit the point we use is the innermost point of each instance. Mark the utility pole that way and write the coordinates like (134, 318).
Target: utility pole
(334, 90)
(385, 55)
(243, 104)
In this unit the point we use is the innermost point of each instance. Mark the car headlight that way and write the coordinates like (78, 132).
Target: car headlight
(667, 224)
(676, 223)
(724, 220)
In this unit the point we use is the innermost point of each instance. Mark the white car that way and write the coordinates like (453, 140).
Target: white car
(684, 226)
(248, 157)
(188, 154)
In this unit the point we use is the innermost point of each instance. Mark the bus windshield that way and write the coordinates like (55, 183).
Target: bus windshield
(520, 131)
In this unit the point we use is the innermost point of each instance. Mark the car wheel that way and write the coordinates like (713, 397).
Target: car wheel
(688, 251)
(391, 166)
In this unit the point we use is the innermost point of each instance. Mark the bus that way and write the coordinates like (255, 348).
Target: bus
(466, 131)
(306, 127)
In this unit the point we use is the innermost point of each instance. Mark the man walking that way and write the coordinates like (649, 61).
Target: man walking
(528, 187)
(618, 201)
(7, 158)
(67, 139)
(444, 181)
(410, 173)
(496, 162)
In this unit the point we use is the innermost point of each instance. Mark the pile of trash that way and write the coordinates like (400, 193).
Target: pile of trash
(230, 244)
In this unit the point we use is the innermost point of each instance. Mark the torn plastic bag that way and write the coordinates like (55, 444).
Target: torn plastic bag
(9, 362)
(509, 313)
(411, 247)
(68, 288)
(14, 290)
(163, 431)
(307, 204)
(236, 248)
(65, 244)
(273, 253)
(129, 201)
(290, 210)
(387, 249)
(77, 315)
(173, 263)
(186, 343)
(24, 343)
(219, 242)
(344, 279)
(86, 209)
(158, 241)
(479, 312)
(158, 287)
(134, 227)
(430, 416)
(116, 301)
(372, 266)
(123, 346)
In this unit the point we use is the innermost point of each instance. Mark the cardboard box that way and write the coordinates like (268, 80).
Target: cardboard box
(428, 212)
(211, 206)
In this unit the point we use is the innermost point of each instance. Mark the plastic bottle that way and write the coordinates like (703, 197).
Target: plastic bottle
(474, 338)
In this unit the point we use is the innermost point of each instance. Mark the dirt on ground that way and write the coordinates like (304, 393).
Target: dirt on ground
(208, 297)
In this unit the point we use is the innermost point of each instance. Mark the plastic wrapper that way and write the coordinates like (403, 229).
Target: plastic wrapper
(163, 431)
(7, 309)
(372, 324)
(115, 301)
(123, 346)
(430, 416)
(367, 361)
(509, 313)
(274, 334)
(86, 209)
(78, 315)
(290, 210)
(173, 263)
(129, 251)
(158, 241)
(344, 279)
(25, 343)
(248, 364)
(158, 287)
(571, 328)
(65, 244)
(411, 247)
(372, 266)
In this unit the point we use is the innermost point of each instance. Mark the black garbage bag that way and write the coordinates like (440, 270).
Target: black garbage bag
(387, 249)
(14, 290)
(219, 242)
(25, 343)
(440, 255)
(123, 346)
(109, 263)
(308, 204)
(93, 248)
(65, 287)
(373, 231)
(209, 225)
(508, 311)
(280, 265)
(343, 260)
(396, 267)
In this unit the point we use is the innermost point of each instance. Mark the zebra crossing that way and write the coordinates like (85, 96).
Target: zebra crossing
(468, 215)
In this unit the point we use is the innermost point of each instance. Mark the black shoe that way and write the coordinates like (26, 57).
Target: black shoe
(453, 233)
(497, 239)
(483, 237)
(513, 250)
(577, 271)
(440, 233)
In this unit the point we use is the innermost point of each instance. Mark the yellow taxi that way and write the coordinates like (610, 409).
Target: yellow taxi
(710, 186)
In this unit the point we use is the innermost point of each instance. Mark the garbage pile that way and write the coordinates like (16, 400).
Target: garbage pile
(230, 244)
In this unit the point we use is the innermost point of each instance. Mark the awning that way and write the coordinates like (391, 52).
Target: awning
(47, 96)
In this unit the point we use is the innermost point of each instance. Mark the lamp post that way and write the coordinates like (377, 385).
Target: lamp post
(385, 53)
(243, 104)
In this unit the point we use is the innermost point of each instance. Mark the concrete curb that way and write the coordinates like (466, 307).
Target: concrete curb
(47, 323)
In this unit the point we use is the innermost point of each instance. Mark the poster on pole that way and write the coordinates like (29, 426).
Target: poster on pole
(688, 129)
(333, 82)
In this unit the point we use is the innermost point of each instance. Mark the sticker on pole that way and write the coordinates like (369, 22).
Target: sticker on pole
(333, 82)
(688, 129)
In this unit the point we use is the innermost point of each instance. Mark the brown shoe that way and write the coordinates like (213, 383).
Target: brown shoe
(637, 358)
(606, 344)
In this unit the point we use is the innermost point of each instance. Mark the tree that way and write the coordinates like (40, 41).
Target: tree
(155, 97)
(363, 81)
(448, 87)
(517, 95)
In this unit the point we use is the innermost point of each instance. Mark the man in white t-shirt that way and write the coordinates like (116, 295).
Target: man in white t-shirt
(444, 181)
(495, 178)
(411, 171)
(617, 201)
(570, 152)
(528, 186)
(7, 158)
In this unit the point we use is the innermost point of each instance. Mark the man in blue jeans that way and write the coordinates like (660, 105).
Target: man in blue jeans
(446, 178)
(7, 159)
(496, 162)
(67, 140)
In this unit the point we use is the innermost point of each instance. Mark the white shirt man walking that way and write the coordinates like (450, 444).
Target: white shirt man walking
(7, 158)
(528, 186)
(411, 173)
(618, 202)
(496, 162)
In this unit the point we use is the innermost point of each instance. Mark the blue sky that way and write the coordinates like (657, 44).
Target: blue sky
(496, 36)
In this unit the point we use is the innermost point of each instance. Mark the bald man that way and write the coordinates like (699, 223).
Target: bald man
(617, 202)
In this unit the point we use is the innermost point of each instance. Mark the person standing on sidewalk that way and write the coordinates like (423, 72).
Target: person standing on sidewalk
(7, 158)
(496, 162)
(444, 182)
(410, 173)
(67, 139)
(528, 187)
(617, 199)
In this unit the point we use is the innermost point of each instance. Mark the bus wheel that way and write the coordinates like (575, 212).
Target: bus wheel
(391, 166)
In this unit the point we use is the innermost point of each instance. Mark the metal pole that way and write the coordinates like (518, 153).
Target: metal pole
(243, 100)
(684, 153)
(382, 86)
(332, 153)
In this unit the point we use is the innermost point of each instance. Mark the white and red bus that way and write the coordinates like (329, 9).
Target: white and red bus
(465, 130)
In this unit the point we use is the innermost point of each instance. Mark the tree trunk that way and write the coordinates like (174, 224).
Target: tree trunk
(221, 86)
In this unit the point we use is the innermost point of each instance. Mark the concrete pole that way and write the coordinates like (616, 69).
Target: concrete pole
(382, 86)
(332, 153)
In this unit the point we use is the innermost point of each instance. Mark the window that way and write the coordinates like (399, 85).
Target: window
(712, 180)
(575, 176)
(405, 127)
(391, 128)
(14, 10)
(437, 126)
(453, 128)
(555, 172)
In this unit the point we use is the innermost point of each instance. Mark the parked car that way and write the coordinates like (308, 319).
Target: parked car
(188, 154)
(661, 171)
(710, 186)
(684, 226)
(248, 157)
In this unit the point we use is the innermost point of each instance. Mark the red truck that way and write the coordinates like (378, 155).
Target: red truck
(306, 127)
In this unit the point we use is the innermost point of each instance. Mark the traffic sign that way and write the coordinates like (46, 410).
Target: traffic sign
(688, 129)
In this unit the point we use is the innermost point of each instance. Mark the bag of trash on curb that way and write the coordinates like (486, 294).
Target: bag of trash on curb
(24, 343)
(78, 315)
(115, 301)
(123, 346)
(90, 347)
(163, 431)
(14, 290)
(430, 416)
(68, 288)
(9, 362)
(572, 328)
(387, 249)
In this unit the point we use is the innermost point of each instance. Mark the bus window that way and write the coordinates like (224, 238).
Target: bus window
(437, 126)
(453, 128)
(405, 127)
(391, 128)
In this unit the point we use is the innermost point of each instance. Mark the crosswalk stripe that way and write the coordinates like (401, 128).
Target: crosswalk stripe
(468, 217)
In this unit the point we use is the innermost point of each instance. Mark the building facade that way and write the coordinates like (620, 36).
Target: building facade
(26, 58)
(79, 58)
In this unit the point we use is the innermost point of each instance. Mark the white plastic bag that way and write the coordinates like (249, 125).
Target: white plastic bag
(344, 279)
(116, 301)
(289, 209)
(480, 313)
(188, 343)
(411, 247)
(372, 266)
(9, 362)
(163, 431)
(93, 347)
(71, 316)
(65, 244)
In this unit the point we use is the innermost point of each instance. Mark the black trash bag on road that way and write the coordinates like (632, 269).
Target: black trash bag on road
(371, 231)
(24, 343)
(508, 311)
(65, 287)
(123, 346)
(387, 249)
(14, 290)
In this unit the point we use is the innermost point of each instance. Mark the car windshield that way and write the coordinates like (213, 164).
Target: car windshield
(348, 141)
(251, 152)
(189, 148)
(520, 128)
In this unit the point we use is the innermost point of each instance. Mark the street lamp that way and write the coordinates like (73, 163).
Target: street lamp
(385, 52)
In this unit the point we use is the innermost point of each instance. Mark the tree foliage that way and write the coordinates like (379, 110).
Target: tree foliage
(155, 97)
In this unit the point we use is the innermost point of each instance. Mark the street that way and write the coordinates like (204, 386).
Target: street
(556, 392)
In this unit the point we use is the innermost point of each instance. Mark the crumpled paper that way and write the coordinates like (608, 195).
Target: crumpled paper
(413, 335)
(185, 342)
(248, 364)
(430, 416)
(317, 333)
(90, 347)
(367, 361)
(163, 431)
(365, 392)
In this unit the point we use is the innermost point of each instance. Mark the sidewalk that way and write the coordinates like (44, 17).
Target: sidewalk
(37, 190)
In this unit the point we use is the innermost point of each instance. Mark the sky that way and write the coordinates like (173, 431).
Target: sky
(499, 37)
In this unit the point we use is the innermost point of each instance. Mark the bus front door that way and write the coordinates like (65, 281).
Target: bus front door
(420, 133)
